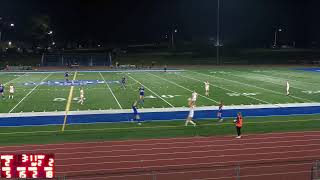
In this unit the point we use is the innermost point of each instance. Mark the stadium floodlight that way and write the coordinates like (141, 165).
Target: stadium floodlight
(50, 32)
(11, 25)
(9, 43)
(276, 37)
(53, 43)
(176, 30)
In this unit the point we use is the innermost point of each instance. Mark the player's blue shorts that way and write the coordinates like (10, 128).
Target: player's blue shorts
(141, 93)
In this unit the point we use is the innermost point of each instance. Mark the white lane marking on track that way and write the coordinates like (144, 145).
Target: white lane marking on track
(182, 87)
(90, 146)
(111, 91)
(175, 152)
(277, 135)
(258, 175)
(202, 171)
(28, 94)
(194, 164)
(151, 91)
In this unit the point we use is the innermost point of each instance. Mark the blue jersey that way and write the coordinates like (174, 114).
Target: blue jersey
(1, 89)
(220, 109)
(66, 75)
(135, 110)
(123, 81)
(141, 90)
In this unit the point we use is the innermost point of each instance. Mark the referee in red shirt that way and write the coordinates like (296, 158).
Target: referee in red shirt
(238, 123)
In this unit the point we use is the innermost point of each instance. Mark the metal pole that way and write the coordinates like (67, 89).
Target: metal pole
(275, 38)
(218, 33)
(172, 39)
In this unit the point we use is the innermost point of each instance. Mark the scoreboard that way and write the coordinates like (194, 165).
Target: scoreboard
(29, 166)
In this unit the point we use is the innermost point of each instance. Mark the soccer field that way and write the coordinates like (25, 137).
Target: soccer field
(48, 92)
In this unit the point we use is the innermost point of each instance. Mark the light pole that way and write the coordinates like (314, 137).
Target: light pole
(172, 37)
(218, 33)
(276, 36)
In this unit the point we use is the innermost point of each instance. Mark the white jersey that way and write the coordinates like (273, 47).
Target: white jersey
(194, 96)
(288, 86)
(11, 89)
(81, 93)
(206, 85)
(191, 112)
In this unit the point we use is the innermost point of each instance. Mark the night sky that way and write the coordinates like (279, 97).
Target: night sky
(247, 22)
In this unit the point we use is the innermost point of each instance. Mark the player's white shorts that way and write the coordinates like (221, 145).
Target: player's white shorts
(191, 114)
(11, 92)
(194, 99)
(81, 96)
(207, 88)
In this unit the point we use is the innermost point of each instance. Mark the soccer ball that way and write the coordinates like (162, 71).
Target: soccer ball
(234, 120)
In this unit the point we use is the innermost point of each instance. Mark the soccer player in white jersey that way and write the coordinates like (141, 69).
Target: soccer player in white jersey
(81, 96)
(194, 96)
(206, 87)
(288, 88)
(190, 116)
(11, 91)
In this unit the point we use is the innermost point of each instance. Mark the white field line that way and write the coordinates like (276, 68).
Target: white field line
(200, 171)
(169, 109)
(284, 80)
(151, 91)
(303, 99)
(151, 127)
(275, 92)
(292, 75)
(227, 90)
(29, 93)
(274, 77)
(174, 140)
(14, 79)
(221, 163)
(183, 87)
(258, 175)
(186, 152)
(111, 91)
(173, 145)
(315, 151)
(94, 71)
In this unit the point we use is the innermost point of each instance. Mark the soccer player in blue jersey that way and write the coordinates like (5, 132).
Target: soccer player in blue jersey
(141, 93)
(2, 90)
(123, 83)
(66, 76)
(136, 116)
(219, 114)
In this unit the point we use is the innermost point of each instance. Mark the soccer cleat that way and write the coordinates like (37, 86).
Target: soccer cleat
(194, 125)
(238, 137)
(139, 124)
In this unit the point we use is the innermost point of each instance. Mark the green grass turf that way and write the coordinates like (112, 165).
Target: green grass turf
(160, 129)
(228, 84)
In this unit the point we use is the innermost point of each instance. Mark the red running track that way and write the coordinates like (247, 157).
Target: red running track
(266, 156)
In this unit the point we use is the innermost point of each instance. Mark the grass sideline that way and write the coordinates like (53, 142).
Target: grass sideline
(155, 129)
